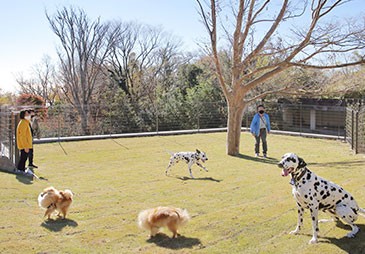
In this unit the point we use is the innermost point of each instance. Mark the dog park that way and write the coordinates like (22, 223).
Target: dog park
(242, 205)
(122, 115)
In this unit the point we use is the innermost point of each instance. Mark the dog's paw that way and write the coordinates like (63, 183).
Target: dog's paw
(313, 240)
(294, 232)
(353, 233)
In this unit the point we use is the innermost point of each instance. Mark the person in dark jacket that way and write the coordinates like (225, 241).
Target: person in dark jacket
(33, 130)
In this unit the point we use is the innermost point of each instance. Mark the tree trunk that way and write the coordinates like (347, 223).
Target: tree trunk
(234, 124)
(84, 113)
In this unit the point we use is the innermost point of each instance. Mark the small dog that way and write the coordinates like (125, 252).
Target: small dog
(190, 158)
(54, 200)
(315, 193)
(155, 218)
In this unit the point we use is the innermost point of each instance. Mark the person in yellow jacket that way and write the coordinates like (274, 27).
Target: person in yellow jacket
(24, 138)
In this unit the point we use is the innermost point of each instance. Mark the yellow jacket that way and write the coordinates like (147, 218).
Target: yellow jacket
(24, 135)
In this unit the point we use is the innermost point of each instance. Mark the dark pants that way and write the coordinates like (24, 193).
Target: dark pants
(30, 157)
(22, 160)
(262, 136)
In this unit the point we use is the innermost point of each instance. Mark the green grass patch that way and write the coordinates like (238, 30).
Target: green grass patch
(242, 205)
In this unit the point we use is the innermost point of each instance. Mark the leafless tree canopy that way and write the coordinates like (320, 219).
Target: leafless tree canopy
(141, 52)
(84, 47)
(262, 38)
(42, 81)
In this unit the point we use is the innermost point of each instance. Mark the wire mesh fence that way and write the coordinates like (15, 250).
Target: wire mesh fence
(328, 117)
(355, 125)
(65, 120)
(7, 133)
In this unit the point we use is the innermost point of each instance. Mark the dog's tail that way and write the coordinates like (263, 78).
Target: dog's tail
(362, 211)
(184, 216)
(143, 219)
(169, 152)
(49, 196)
(67, 194)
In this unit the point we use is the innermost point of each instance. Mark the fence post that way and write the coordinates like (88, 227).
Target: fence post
(198, 120)
(300, 119)
(110, 120)
(58, 123)
(357, 132)
(15, 120)
(157, 119)
(352, 129)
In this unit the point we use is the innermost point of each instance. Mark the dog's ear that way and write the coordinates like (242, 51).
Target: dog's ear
(302, 163)
(197, 150)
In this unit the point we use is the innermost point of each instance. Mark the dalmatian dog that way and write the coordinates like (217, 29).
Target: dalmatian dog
(315, 193)
(190, 158)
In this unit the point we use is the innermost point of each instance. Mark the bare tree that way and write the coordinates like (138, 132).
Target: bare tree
(141, 53)
(42, 81)
(84, 47)
(262, 44)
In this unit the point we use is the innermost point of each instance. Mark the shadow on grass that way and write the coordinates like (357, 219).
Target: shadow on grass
(338, 163)
(268, 160)
(25, 179)
(59, 224)
(180, 242)
(185, 178)
(349, 245)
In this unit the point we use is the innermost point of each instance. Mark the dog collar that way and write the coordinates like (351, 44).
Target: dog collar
(296, 179)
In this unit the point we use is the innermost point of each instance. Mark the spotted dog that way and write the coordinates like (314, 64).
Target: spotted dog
(190, 158)
(315, 193)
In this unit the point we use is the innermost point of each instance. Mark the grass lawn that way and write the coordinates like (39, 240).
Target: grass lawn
(242, 205)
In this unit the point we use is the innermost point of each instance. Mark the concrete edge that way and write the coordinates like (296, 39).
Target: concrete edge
(179, 132)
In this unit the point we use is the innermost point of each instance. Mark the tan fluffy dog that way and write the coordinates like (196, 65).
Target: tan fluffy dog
(54, 200)
(155, 218)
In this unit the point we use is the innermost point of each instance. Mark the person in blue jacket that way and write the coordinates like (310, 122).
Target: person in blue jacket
(260, 127)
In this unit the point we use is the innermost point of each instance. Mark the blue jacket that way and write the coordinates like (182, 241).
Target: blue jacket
(255, 124)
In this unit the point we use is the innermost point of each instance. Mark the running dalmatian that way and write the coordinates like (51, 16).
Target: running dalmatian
(315, 193)
(190, 158)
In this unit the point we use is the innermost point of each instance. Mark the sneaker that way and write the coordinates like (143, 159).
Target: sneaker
(257, 155)
(32, 166)
(18, 171)
(29, 169)
(29, 172)
(265, 155)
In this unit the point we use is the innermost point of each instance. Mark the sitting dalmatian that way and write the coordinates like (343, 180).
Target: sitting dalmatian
(315, 193)
(190, 158)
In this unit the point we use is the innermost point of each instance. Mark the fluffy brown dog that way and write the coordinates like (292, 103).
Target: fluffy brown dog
(155, 218)
(54, 200)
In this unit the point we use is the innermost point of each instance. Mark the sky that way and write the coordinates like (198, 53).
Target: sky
(26, 36)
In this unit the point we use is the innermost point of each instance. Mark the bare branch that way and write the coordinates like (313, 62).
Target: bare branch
(262, 95)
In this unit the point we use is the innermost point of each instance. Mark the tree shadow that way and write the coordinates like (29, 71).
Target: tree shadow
(180, 242)
(268, 160)
(349, 245)
(338, 163)
(59, 224)
(185, 178)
